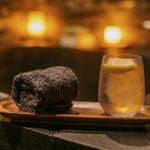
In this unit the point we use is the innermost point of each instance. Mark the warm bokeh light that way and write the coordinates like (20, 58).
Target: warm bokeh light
(36, 23)
(112, 34)
(146, 24)
(86, 41)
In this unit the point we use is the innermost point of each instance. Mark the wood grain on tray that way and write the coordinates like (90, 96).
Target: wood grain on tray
(82, 113)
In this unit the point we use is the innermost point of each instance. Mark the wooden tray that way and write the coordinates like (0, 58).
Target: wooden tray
(82, 113)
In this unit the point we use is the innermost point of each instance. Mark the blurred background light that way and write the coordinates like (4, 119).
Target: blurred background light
(36, 23)
(112, 34)
(96, 25)
(146, 24)
(86, 41)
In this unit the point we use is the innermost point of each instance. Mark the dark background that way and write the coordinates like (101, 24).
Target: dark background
(86, 65)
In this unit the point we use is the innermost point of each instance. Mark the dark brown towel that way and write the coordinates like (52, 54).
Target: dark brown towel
(44, 91)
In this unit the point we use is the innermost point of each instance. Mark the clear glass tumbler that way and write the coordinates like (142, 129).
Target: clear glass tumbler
(121, 85)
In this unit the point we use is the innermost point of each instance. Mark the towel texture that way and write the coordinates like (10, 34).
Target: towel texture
(44, 91)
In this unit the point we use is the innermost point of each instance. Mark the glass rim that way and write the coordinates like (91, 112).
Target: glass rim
(124, 55)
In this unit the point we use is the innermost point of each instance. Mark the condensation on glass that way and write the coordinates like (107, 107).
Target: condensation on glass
(121, 85)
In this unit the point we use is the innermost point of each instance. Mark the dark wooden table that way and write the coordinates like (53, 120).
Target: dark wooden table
(17, 136)
(14, 136)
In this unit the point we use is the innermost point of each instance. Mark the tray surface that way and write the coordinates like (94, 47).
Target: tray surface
(82, 113)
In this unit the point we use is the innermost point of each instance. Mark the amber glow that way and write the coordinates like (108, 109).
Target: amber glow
(86, 41)
(123, 109)
(112, 34)
(36, 23)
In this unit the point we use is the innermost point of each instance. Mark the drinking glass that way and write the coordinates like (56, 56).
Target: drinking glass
(121, 85)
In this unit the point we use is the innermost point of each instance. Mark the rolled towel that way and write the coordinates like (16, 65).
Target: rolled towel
(45, 91)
